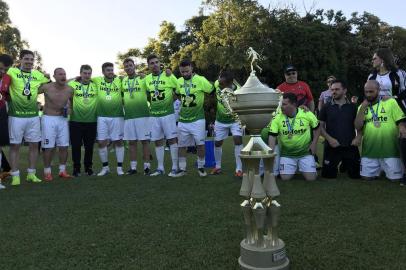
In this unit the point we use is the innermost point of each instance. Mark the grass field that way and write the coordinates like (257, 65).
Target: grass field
(137, 222)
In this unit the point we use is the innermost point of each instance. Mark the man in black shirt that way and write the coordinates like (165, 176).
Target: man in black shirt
(337, 127)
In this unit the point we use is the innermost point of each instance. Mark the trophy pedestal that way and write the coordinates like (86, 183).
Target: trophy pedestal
(267, 258)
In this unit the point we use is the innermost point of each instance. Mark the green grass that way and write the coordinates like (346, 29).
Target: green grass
(191, 223)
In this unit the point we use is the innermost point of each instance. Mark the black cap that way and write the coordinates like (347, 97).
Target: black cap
(289, 68)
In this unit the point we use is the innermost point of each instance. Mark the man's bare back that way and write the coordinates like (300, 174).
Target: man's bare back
(56, 98)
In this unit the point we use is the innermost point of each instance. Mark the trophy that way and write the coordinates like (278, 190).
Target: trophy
(252, 106)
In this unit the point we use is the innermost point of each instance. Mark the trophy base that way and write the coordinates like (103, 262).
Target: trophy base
(269, 258)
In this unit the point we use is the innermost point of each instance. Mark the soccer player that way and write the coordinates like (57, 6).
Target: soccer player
(23, 114)
(160, 88)
(110, 121)
(293, 127)
(83, 120)
(54, 123)
(225, 124)
(137, 124)
(192, 124)
(379, 118)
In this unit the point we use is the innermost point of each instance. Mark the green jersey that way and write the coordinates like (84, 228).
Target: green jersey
(109, 99)
(380, 137)
(135, 98)
(84, 107)
(161, 89)
(294, 134)
(192, 97)
(222, 114)
(24, 92)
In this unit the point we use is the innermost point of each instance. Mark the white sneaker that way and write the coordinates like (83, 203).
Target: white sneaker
(181, 173)
(157, 172)
(104, 171)
(174, 173)
(2, 187)
(202, 172)
(120, 171)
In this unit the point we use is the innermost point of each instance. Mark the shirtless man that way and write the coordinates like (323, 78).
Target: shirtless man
(54, 123)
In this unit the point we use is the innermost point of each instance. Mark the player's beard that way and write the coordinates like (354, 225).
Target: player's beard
(187, 77)
(372, 99)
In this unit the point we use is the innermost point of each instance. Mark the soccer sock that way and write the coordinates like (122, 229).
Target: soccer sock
(31, 171)
(218, 152)
(160, 152)
(147, 165)
(103, 156)
(200, 162)
(238, 163)
(119, 155)
(47, 170)
(174, 155)
(133, 165)
(182, 163)
(62, 168)
(15, 173)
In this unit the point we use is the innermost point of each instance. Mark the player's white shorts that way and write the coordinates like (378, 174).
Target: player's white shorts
(110, 128)
(163, 127)
(372, 167)
(55, 131)
(192, 133)
(288, 165)
(27, 128)
(137, 129)
(222, 130)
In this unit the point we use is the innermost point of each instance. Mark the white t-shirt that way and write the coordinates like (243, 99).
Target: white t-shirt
(386, 84)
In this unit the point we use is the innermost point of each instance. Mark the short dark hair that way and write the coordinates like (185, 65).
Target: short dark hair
(25, 52)
(343, 84)
(85, 67)
(128, 60)
(227, 75)
(292, 97)
(150, 57)
(58, 68)
(185, 63)
(107, 64)
(6, 59)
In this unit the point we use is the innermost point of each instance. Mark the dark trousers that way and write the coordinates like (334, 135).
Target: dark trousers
(333, 156)
(82, 133)
(5, 166)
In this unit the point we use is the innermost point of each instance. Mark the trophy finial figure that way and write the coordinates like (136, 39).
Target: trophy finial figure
(255, 57)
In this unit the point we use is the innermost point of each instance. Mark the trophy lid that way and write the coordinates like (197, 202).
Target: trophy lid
(253, 85)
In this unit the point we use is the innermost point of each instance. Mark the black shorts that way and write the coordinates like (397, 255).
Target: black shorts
(4, 137)
(333, 156)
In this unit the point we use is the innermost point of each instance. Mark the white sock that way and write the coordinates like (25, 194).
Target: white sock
(218, 152)
(15, 173)
(238, 163)
(160, 152)
(120, 154)
(174, 155)
(147, 165)
(133, 165)
(62, 167)
(47, 170)
(103, 154)
(33, 171)
(182, 163)
(200, 162)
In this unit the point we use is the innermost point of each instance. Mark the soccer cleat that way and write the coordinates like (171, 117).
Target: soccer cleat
(147, 171)
(76, 173)
(2, 187)
(180, 173)
(64, 175)
(202, 172)
(104, 171)
(238, 174)
(120, 171)
(4, 175)
(89, 172)
(48, 177)
(33, 178)
(216, 171)
(131, 172)
(15, 180)
(174, 173)
(157, 173)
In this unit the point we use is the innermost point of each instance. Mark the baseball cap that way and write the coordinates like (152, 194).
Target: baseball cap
(289, 68)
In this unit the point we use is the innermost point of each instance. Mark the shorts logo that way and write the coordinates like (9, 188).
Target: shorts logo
(46, 141)
(281, 167)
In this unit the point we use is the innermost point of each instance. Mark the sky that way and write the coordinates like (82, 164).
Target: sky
(69, 33)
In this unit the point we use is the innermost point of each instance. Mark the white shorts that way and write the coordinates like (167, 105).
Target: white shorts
(55, 131)
(110, 128)
(192, 133)
(222, 130)
(372, 167)
(137, 129)
(288, 165)
(27, 128)
(163, 127)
